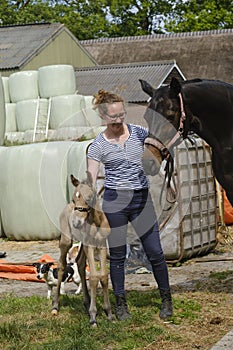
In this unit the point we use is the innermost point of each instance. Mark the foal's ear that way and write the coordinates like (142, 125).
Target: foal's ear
(74, 181)
(89, 179)
(175, 87)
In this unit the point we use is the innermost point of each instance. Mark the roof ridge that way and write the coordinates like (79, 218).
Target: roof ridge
(29, 24)
(155, 36)
(124, 65)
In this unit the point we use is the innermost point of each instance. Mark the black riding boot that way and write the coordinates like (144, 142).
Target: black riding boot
(122, 312)
(166, 308)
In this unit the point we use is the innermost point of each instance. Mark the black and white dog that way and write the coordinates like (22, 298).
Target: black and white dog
(50, 275)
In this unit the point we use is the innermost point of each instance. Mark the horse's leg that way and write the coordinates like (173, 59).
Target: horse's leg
(229, 188)
(81, 262)
(104, 282)
(224, 172)
(64, 245)
(93, 282)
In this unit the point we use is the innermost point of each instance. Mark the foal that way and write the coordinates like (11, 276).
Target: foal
(84, 213)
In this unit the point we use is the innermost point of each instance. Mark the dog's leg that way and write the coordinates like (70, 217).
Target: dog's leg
(79, 289)
(76, 278)
(93, 282)
(50, 288)
(64, 245)
(81, 262)
(104, 282)
(62, 289)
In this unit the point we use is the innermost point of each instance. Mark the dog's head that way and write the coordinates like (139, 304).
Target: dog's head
(42, 269)
(73, 253)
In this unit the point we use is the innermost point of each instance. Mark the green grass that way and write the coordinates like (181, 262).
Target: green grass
(27, 323)
(223, 275)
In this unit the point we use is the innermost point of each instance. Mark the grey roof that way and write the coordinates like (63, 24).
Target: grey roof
(18, 44)
(203, 54)
(123, 79)
(159, 36)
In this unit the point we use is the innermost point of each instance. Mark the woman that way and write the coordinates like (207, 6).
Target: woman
(126, 197)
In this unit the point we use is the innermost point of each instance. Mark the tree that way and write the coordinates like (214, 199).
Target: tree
(91, 19)
(85, 19)
(198, 15)
(133, 17)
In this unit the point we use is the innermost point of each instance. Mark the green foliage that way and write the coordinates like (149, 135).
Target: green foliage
(28, 323)
(198, 15)
(91, 19)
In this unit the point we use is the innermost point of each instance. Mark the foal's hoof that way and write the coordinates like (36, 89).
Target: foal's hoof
(54, 312)
(93, 324)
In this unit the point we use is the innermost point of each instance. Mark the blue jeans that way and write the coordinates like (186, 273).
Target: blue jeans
(135, 206)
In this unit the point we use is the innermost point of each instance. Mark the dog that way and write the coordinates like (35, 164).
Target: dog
(45, 271)
(73, 253)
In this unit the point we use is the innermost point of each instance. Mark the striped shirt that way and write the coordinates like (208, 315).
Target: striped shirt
(123, 163)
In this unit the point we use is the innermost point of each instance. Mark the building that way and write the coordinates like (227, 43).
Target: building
(28, 47)
(204, 54)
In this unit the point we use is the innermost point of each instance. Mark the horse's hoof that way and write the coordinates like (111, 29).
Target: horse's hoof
(54, 312)
(93, 324)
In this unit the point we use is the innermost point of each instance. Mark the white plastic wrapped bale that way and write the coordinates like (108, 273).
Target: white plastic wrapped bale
(26, 113)
(2, 113)
(81, 133)
(14, 138)
(66, 111)
(33, 189)
(10, 117)
(71, 133)
(28, 137)
(91, 115)
(77, 163)
(23, 86)
(5, 81)
(56, 80)
(2, 149)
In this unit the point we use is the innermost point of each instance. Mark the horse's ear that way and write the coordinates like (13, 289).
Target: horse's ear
(74, 181)
(89, 178)
(175, 86)
(147, 88)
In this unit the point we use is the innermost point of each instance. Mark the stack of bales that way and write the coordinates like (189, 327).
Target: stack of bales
(34, 180)
(49, 92)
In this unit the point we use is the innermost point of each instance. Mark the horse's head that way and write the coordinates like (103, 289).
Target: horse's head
(83, 200)
(163, 118)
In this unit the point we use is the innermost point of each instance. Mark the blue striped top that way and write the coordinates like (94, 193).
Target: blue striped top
(123, 163)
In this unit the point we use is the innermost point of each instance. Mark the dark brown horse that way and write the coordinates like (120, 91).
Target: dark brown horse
(202, 106)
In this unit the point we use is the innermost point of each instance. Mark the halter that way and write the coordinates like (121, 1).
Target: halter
(164, 149)
(83, 209)
(166, 155)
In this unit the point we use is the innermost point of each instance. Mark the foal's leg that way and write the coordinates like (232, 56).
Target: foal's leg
(104, 282)
(93, 282)
(81, 262)
(64, 245)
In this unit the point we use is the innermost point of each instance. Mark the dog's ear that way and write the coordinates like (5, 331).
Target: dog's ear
(36, 264)
(74, 181)
(50, 263)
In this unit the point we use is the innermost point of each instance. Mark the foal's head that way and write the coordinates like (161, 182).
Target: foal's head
(83, 200)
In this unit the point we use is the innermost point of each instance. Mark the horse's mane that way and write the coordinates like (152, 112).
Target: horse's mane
(207, 82)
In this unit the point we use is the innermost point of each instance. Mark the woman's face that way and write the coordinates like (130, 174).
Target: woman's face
(115, 114)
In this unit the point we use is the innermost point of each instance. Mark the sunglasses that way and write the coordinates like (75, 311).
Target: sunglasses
(116, 116)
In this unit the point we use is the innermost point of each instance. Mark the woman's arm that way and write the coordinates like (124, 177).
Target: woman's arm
(93, 168)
